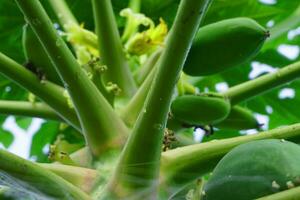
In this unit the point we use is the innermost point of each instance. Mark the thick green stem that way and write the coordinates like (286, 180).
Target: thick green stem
(138, 168)
(131, 111)
(97, 80)
(62, 11)
(110, 47)
(252, 88)
(33, 178)
(66, 17)
(69, 22)
(290, 194)
(49, 92)
(143, 72)
(82, 178)
(135, 5)
(130, 27)
(184, 164)
(99, 121)
(28, 109)
(82, 157)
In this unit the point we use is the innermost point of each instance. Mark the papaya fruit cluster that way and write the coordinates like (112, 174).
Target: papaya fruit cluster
(254, 170)
(216, 48)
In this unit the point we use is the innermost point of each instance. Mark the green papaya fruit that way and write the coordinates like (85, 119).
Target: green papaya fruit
(201, 109)
(239, 118)
(36, 57)
(224, 45)
(254, 170)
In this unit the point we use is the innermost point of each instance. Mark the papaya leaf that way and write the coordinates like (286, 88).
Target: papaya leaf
(6, 138)
(41, 141)
(23, 122)
(223, 9)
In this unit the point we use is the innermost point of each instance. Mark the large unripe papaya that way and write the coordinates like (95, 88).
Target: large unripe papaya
(201, 109)
(254, 170)
(239, 118)
(224, 45)
(36, 57)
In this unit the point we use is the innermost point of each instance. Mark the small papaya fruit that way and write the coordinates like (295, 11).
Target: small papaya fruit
(223, 45)
(200, 109)
(36, 57)
(254, 170)
(239, 118)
